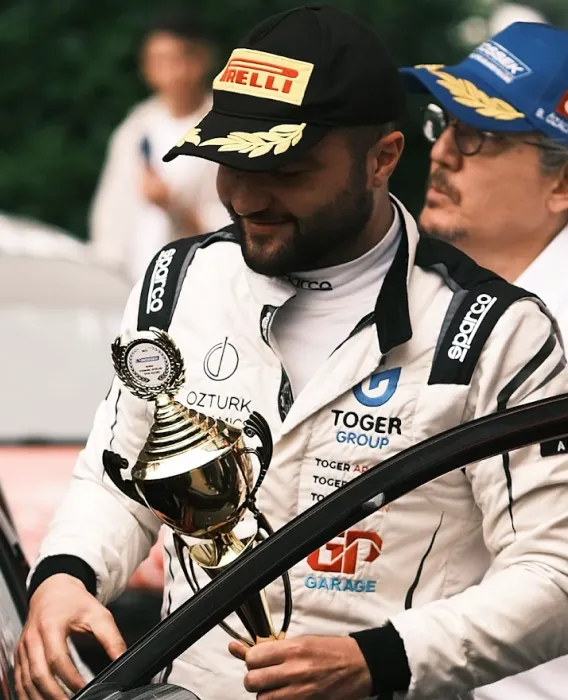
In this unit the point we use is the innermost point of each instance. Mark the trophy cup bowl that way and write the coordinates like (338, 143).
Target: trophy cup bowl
(195, 474)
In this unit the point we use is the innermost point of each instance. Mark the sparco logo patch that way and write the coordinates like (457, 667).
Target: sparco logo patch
(313, 285)
(158, 281)
(468, 327)
(265, 75)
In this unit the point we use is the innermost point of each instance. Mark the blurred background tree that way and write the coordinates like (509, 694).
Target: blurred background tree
(70, 75)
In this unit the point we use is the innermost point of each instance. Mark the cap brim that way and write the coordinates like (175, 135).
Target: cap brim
(466, 97)
(247, 144)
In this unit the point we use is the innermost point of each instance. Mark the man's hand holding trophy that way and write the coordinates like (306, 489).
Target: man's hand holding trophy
(195, 473)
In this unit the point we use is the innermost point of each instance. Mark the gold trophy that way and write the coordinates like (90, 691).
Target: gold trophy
(195, 473)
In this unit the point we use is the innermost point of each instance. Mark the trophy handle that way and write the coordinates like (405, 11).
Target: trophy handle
(189, 573)
(113, 465)
(256, 426)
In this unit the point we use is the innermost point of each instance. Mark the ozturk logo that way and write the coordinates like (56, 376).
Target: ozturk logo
(158, 281)
(341, 556)
(221, 361)
(381, 388)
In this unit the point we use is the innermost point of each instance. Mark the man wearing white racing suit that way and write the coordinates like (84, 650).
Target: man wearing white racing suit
(355, 338)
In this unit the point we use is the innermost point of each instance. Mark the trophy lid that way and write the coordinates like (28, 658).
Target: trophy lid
(149, 363)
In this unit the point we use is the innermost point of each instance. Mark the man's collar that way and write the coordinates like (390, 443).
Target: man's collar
(391, 315)
(544, 274)
(269, 291)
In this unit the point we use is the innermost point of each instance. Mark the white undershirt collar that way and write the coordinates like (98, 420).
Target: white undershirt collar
(341, 283)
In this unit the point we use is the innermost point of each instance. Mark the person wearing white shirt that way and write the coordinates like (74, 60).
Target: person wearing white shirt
(498, 191)
(142, 203)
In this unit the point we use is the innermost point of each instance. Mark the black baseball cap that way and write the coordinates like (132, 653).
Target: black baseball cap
(296, 76)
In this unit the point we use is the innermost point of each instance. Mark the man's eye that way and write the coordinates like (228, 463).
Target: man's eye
(288, 173)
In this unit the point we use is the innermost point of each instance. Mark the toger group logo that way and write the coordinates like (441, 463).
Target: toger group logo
(368, 430)
(380, 389)
(341, 557)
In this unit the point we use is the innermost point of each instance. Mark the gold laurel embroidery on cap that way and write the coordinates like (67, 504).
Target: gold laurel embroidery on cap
(430, 66)
(192, 136)
(259, 143)
(466, 93)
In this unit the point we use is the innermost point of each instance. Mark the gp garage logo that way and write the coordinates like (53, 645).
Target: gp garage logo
(221, 361)
(341, 557)
(378, 389)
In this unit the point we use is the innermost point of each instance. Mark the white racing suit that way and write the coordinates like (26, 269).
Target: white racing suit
(471, 569)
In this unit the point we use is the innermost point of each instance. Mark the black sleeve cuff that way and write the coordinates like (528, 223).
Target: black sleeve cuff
(386, 658)
(63, 564)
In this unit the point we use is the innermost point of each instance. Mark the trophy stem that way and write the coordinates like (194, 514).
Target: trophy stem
(213, 557)
(230, 540)
(255, 613)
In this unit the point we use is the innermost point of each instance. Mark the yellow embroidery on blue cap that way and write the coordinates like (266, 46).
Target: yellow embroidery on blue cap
(469, 95)
(192, 136)
(259, 143)
(430, 66)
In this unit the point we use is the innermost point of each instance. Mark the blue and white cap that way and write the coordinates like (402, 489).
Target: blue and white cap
(517, 81)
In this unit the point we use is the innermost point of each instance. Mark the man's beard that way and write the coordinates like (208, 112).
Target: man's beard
(314, 239)
(453, 236)
(439, 181)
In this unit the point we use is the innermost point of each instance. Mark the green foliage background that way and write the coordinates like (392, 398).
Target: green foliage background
(69, 75)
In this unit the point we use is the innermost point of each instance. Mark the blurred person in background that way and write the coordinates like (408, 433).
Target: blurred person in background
(498, 191)
(141, 204)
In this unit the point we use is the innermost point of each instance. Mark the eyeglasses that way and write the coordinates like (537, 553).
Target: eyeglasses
(469, 140)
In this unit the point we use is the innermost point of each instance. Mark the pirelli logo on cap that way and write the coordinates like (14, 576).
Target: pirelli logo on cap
(265, 75)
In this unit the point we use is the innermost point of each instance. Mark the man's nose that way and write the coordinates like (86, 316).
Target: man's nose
(248, 192)
(445, 151)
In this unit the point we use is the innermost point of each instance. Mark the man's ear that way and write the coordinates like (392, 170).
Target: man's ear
(558, 198)
(384, 157)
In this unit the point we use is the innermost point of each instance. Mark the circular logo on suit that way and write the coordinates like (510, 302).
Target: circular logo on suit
(221, 361)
